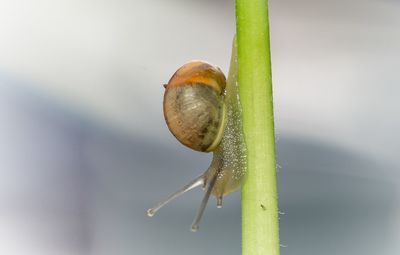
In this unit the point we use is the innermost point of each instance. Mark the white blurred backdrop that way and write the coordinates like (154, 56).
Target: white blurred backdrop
(84, 149)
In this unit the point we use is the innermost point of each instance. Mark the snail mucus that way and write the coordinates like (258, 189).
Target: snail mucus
(202, 111)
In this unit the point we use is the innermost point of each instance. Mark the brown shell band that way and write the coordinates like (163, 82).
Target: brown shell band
(199, 72)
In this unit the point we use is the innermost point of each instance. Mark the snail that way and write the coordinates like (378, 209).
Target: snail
(202, 110)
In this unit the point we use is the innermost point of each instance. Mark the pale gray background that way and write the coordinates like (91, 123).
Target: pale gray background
(84, 149)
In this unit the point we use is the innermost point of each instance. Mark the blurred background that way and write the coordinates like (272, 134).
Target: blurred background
(84, 150)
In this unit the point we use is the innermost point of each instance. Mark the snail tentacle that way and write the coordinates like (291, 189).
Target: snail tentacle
(199, 181)
(196, 222)
(219, 202)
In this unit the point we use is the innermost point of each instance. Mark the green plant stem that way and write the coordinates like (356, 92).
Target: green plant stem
(260, 223)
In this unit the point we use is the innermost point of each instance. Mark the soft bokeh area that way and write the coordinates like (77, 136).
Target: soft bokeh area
(84, 150)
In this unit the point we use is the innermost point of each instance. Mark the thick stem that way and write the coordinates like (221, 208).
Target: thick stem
(260, 226)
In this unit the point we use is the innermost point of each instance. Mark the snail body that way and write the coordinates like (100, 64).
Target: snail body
(202, 110)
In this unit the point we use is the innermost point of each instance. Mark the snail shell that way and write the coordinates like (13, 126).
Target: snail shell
(193, 105)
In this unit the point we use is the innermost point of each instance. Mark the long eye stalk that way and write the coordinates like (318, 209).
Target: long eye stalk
(191, 185)
(196, 222)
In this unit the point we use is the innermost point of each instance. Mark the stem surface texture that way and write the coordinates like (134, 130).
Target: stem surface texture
(260, 222)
